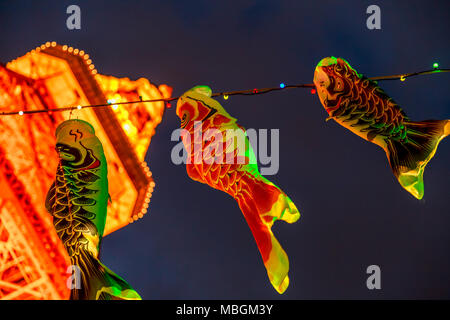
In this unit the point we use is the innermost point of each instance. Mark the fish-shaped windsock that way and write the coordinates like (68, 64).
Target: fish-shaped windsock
(77, 201)
(358, 104)
(220, 155)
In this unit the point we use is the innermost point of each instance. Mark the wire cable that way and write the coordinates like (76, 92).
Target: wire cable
(255, 91)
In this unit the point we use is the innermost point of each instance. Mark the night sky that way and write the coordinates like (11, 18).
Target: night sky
(194, 242)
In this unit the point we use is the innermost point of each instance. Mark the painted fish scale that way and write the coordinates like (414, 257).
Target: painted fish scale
(218, 175)
(73, 223)
(363, 107)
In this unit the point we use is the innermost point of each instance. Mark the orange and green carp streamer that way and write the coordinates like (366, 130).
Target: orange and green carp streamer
(77, 201)
(358, 104)
(214, 158)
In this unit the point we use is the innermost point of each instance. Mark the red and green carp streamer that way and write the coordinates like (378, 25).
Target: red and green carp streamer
(77, 201)
(214, 158)
(358, 104)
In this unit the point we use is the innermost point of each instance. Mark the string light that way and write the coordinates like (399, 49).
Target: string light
(225, 95)
(435, 65)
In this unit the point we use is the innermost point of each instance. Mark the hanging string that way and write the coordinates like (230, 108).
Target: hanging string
(225, 95)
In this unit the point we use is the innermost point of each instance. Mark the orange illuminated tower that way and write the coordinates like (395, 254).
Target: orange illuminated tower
(33, 262)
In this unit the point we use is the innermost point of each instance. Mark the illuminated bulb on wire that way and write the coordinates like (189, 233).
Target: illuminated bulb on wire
(225, 97)
(282, 85)
(79, 107)
(402, 78)
(435, 65)
(21, 113)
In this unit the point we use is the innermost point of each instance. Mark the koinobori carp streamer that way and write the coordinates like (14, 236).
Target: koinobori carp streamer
(260, 200)
(78, 200)
(358, 104)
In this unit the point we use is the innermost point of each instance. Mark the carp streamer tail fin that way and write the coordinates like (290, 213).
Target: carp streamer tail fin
(262, 203)
(100, 283)
(409, 158)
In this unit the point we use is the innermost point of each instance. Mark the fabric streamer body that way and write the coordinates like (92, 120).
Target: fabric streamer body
(77, 201)
(358, 104)
(215, 157)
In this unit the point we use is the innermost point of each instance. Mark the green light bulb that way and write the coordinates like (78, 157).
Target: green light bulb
(435, 65)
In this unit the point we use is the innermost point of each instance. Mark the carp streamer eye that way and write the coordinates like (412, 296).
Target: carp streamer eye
(339, 85)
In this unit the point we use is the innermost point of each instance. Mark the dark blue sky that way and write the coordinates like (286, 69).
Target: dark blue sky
(194, 243)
